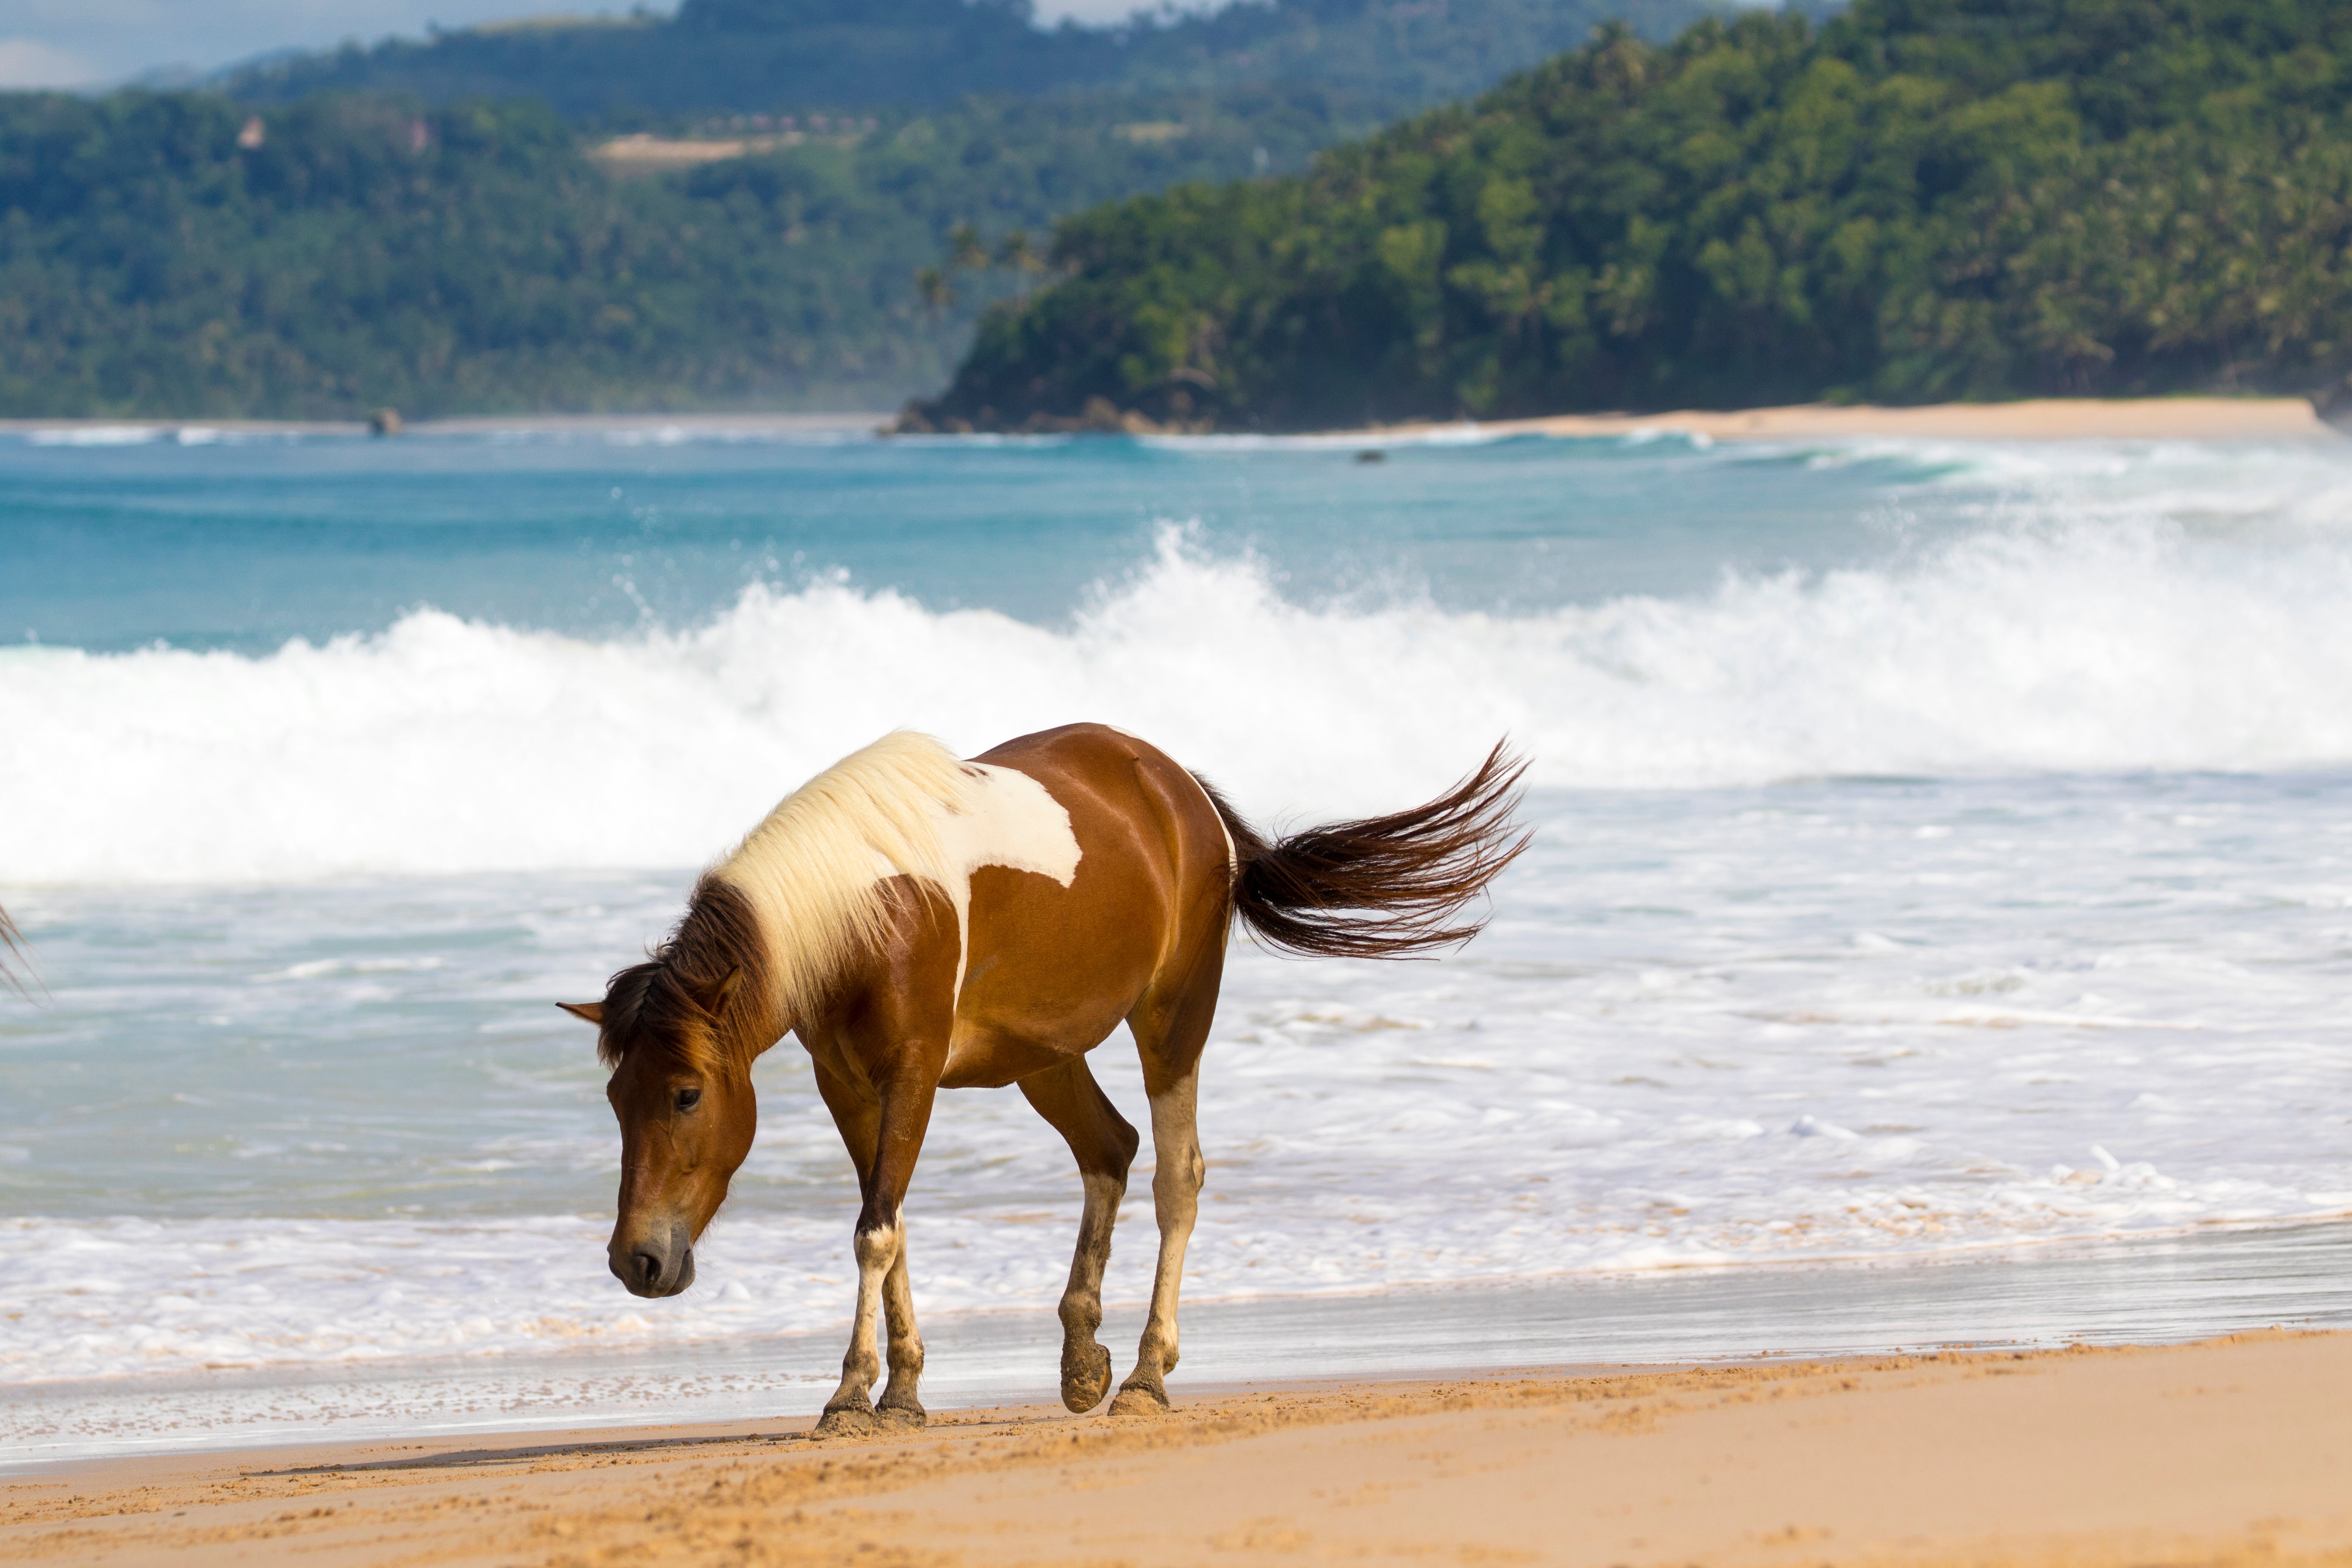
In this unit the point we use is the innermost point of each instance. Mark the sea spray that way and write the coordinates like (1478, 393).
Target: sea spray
(448, 745)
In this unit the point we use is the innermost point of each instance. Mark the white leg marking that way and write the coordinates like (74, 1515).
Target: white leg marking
(1177, 1173)
(878, 1251)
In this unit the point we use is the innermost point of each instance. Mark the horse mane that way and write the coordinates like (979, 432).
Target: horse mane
(678, 994)
(802, 897)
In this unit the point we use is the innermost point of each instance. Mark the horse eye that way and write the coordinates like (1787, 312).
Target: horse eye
(688, 1099)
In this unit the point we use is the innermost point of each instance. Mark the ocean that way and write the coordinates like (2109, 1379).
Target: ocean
(1942, 851)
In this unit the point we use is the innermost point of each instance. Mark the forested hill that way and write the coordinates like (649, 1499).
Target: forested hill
(349, 230)
(180, 254)
(1920, 199)
(768, 54)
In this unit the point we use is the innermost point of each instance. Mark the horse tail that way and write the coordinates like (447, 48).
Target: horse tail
(1384, 886)
(12, 945)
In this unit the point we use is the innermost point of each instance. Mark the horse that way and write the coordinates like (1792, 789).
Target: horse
(924, 922)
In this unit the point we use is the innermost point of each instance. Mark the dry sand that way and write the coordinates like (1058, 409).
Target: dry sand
(2221, 1452)
(2152, 418)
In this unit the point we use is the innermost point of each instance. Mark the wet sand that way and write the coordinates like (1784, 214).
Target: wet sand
(2143, 1290)
(2221, 1451)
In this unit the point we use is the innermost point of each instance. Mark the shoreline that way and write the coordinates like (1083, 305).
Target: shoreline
(2218, 1451)
(840, 423)
(2142, 1290)
(2036, 419)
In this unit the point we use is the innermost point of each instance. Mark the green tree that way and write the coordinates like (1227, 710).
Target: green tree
(1918, 199)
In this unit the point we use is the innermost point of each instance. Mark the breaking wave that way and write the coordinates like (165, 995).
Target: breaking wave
(445, 745)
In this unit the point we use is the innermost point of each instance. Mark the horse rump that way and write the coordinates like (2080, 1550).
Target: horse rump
(1382, 887)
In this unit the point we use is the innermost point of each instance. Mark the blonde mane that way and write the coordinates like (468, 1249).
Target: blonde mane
(812, 869)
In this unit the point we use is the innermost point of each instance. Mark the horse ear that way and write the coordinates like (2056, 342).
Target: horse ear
(716, 997)
(594, 1012)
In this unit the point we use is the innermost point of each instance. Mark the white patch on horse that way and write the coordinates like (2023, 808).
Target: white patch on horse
(812, 870)
(1007, 819)
(904, 807)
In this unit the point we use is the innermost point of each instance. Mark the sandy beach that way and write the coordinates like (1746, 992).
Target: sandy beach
(2050, 419)
(2144, 418)
(2221, 1451)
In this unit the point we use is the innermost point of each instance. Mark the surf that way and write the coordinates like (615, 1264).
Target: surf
(449, 745)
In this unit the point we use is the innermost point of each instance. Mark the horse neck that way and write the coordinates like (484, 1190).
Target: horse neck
(753, 1023)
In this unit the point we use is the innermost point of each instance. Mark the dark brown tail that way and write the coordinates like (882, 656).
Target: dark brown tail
(1386, 886)
(12, 945)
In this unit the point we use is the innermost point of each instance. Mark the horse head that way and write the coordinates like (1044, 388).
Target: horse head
(681, 1086)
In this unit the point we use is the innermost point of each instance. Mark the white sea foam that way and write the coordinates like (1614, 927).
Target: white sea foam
(445, 745)
(2077, 971)
(1843, 1021)
(99, 436)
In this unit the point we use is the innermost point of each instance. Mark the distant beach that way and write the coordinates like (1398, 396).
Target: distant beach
(464, 425)
(2035, 419)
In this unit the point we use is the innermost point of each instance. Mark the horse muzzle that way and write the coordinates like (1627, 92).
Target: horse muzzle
(659, 1262)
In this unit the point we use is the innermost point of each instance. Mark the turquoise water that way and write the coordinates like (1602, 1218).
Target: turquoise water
(1943, 847)
(245, 543)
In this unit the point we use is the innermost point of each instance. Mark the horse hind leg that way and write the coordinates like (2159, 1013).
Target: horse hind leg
(1104, 1146)
(1169, 1040)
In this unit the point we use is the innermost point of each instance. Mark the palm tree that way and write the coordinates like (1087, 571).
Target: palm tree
(938, 294)
(966, 248)
(1016, 252)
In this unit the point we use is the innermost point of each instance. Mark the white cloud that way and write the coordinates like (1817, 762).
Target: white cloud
(1094, 13)
(30, 63)
(115, 39)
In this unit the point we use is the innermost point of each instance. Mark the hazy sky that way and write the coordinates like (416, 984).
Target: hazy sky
(75, 43)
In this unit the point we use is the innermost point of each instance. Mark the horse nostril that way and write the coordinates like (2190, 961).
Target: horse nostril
(649, 1268)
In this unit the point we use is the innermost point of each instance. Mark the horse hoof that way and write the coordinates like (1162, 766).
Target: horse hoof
(901, 1417)
(1138, 1400)
(849, 1421)
(1085, 1376)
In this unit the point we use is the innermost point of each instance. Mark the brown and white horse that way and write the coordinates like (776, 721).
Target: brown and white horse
(923, 923)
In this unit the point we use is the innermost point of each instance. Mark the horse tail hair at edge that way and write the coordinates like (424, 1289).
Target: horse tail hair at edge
(1383, 887)
(12, 947)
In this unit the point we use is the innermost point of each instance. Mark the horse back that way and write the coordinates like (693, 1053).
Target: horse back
(1051, 969)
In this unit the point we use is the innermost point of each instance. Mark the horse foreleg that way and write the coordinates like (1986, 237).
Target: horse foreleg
(891, 1135)
(1176, 1180)
(1104, 1145)
(899, 1405)
(880, 1252)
